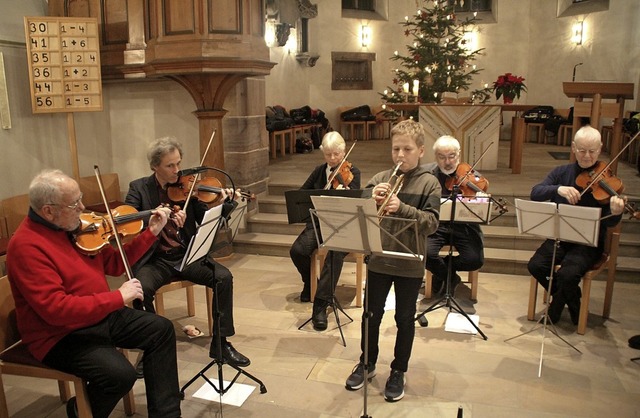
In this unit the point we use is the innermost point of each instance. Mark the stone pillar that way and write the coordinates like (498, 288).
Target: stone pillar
(246, 142)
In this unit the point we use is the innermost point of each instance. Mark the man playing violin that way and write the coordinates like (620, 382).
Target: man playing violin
(467, 237)
(574, 259)
(71, 320)
(157, 268)
(333, 150)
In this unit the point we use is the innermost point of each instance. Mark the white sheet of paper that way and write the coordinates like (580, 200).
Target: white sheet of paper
(237, 394)
(579, 224)
(459, 324)
(339, 224)
(207, 230)
(536, 218)
(466, 212)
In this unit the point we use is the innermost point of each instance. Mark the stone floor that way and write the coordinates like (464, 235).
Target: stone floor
(304, 371)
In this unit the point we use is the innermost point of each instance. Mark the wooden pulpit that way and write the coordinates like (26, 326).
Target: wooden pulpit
(596, 108)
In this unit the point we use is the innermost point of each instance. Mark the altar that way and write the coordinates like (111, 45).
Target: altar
(476, 127)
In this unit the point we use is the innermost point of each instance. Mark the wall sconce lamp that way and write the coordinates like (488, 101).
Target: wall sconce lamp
(365, 33)
(577, 31)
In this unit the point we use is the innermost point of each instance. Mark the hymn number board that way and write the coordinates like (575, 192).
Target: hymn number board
(64, 64)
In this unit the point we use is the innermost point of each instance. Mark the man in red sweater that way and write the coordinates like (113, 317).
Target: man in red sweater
(70, 319)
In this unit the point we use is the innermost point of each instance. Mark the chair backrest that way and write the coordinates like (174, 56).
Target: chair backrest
(8, 327)
(91, 192)
(14, 210)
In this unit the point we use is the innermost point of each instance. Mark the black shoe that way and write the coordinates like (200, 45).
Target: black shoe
(437, 285)
(305, 295)
(229, 355)
(356, 379)
(72, 408)
(140, 370)
(319, 315)
(394, 388)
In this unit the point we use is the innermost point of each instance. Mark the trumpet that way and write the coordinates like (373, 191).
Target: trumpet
(396, 184)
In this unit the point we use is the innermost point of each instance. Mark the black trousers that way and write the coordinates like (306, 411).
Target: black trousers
(300, 253)
(159, 271)
(91, 353)
(574, 260)
(467, 239)
(406, 291)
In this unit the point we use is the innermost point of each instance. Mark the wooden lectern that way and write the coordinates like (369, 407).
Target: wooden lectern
(595, 109)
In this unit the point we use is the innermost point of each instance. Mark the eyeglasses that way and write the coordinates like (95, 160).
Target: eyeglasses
(73, 206)
(587, 151)
(442, 157)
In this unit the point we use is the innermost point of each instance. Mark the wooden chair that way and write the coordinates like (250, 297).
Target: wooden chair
(538, 128)
(15, 359)
(608, 261)
(565, 134)
(91, 197)
(191, 305)
(472, 278)
(317, 261)
(280, 137)
(352, 126)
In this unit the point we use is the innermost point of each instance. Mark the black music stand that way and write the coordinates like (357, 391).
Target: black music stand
(353, 225)
(562, 222)
(478, 212)
(199, 249)
(299, 209)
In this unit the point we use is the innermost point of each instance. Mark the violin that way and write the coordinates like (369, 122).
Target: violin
(342, 177)
(95, 232)
(207, 190)
(341, 174)
(604, 184)
(468, 180)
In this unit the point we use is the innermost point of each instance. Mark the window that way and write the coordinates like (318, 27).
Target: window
(367, 5)
(470, 6)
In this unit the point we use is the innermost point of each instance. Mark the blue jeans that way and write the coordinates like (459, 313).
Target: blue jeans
(406, 290)
(91, 353)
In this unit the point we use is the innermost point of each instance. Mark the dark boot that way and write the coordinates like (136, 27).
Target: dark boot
(305, 295)
(319, 315)
(556, 307)
(573, 304)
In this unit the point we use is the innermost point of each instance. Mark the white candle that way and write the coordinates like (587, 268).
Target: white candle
(416, 84)
(405, 87)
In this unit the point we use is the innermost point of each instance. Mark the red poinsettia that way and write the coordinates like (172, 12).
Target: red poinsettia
(509, 86)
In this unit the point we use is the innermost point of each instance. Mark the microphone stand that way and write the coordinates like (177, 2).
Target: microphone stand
(574, 71)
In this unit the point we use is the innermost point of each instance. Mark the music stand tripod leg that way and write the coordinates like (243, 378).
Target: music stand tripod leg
(448, 300)
(219, 361)
(333, 302)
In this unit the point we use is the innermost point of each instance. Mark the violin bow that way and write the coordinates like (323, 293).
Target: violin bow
(474, 165)
(336, 170)
(196, 178)
(601, 173)
(112, 221)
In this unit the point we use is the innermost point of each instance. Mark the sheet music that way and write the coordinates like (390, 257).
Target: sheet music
(579, 224)
(470, 210)
(201, 242)
(339, 222)
(570, 223)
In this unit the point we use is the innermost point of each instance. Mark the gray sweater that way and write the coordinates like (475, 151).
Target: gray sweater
(419, 200)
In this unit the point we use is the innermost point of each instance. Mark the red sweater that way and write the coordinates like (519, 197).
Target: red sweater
(56, 288)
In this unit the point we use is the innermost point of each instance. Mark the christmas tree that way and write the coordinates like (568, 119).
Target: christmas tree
(438, 57)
